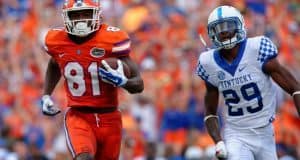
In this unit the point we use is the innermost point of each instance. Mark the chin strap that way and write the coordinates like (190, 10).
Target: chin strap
(296, 93)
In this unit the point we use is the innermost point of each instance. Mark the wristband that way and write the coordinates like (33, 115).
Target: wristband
(210, 116)
(296, 93)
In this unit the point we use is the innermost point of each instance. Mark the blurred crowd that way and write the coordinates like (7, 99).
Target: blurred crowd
(166, 120)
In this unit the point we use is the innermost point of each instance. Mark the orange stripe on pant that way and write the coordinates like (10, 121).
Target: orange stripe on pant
(97, 134)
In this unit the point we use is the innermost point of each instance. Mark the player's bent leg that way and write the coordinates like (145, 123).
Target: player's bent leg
(84, 156)
(111, 132)
(79, 134)
(238, 151)
(267, 153)
(236, 146)
(267, 150)
(110, 150)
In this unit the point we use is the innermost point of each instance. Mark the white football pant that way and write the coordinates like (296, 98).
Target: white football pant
(250, 144)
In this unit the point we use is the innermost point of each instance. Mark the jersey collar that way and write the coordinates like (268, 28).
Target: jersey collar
(230, 68)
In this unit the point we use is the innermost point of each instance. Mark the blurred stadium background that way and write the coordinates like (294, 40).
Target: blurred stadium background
(167, 119)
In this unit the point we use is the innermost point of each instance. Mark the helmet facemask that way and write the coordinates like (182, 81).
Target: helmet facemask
(227, 32)
(82, 21)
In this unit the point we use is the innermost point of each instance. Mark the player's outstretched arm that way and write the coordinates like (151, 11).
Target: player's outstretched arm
(135, 83)
(211, 119)
(52, 77)
(284, 79)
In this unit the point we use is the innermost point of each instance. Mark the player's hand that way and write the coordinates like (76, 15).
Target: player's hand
(48, 107)
(115, 77)
(221, 151)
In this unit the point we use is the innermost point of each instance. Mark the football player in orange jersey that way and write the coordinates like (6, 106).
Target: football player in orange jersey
(92, 123)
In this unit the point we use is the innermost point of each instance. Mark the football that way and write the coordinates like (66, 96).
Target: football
(113, 63)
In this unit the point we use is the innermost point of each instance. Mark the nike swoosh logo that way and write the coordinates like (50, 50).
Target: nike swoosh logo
(241, 69)
(61, 55)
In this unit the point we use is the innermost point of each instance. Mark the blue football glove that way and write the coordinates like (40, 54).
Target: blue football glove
(116, 77)
(48, 107)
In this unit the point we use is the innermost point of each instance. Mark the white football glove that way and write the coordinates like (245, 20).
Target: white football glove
(48, 107)
(221, 151)
(115, 77)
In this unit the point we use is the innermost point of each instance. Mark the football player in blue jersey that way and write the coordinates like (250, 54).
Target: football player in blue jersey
(241, 69)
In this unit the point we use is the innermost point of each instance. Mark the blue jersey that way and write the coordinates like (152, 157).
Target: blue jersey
(248, 92)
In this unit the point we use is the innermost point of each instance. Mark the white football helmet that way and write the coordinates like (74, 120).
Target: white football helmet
(89, 20)
(226, 19)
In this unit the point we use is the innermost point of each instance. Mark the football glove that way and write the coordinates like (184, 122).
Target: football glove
(221, 151)
(116, 77)
(48, 107)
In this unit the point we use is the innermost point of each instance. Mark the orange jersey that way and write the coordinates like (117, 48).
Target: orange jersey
(79, 64)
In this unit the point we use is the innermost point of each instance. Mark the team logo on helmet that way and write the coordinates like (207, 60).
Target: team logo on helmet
(66, 3)
(78, 3)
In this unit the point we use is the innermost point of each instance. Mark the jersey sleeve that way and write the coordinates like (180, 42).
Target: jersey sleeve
(203, 70)
(267, 51)
(44, 41)
(122, 45)
(49, 40)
